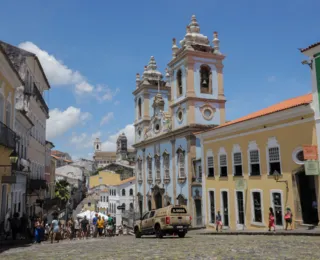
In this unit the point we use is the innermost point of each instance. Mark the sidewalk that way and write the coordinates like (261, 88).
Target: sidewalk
(301, 231)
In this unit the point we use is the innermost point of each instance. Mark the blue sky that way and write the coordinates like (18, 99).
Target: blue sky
(93, 49)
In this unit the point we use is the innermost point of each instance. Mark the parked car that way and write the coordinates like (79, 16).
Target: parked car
(165, 221)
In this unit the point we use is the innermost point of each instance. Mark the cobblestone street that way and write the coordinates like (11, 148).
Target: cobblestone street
(191, 247)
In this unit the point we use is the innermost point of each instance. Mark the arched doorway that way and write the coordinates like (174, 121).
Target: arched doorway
(307, 193)
(149, 205)
(158, 200)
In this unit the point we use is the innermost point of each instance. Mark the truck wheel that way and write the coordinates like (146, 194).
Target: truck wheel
(181, 235)
(137, 233)
(158, 231)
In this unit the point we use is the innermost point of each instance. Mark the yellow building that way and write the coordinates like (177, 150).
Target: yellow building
(244, 157)
(104, 177)
(9, 81)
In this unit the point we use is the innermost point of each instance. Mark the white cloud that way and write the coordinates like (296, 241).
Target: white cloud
(84, 140)
(107, 118)
(110, 144)
(59, 74)
(61, 121)
(272, 78)
(56, 71)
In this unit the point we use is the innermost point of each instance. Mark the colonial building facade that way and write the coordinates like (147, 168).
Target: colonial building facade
(167, 113)
(257, 162)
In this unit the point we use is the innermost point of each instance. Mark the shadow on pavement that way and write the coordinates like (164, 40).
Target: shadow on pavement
(168, 237)
(6, 245)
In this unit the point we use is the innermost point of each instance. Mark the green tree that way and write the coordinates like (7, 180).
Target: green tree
(62, 191)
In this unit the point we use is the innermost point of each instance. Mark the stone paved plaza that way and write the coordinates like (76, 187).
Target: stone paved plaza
(191, 247)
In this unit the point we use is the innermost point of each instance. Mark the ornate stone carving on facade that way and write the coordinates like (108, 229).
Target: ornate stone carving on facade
(156, 189)
(216, 43)
(19, 96)
(138, 80)
(139, 196)
(175, 48)
(167, 199)
(193, 36)
(182, 200)
(197, 195)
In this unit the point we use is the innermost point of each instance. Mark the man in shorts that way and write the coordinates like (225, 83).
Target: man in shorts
(84, 227)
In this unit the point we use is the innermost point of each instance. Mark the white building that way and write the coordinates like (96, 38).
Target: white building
(35, 84)
(118, 195)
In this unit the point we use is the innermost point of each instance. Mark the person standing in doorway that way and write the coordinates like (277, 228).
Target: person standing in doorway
(218, 222)
(271, 220)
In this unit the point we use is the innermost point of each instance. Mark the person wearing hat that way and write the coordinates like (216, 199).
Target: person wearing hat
(288, 218)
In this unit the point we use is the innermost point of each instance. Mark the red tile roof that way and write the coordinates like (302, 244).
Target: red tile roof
(286, 104)
(309, 47)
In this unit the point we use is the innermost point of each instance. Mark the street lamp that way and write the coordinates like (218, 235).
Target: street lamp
(276, 176)
(13, 159)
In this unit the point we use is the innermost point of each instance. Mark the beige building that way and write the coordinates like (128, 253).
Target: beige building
(35, 84)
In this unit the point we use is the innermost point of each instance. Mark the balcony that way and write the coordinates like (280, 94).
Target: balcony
(7, 137)
(40, 98)
(36, 184)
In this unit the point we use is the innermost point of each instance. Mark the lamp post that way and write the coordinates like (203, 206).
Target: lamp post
(13, 159)
(276, 176)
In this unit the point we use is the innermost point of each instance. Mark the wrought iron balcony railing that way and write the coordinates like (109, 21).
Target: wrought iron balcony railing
(7, 136)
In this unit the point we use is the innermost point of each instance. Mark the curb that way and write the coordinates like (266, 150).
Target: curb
(260, 234)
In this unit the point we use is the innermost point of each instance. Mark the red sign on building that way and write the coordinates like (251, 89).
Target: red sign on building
(310, 152)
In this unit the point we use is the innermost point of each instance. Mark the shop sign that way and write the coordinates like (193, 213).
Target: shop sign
(241, 184)
(310, 152)
(311, 167)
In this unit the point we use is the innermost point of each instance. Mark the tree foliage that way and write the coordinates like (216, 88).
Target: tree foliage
(62, 190)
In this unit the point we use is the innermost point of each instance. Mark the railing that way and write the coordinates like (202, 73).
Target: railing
(7, 136)
(38, 95)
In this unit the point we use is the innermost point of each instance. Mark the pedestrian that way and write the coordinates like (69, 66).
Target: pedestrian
(7, 224)
(24, 226)
(84, 227)
(110, 226)
(77, 228)
(218, 222)
(37, 231)
(15, 225)
(94, 223)
(315, 218)
(55, 229)
(100, 225)
(288, 218)
(271, 220)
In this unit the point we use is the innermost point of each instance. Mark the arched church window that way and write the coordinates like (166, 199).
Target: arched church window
(123, 192)
(166, 164)
(139, 107)
(150, 167)
(205, 79)
(157, 166)
(181, 161)
(131, 192)
(179, 82)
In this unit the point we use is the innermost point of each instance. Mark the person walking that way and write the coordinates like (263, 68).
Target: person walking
(218, 222)
(37, 231)
(77, 229)
(100, 225)
(288, 218)
(55, 227)
(110, 227)
(271, 220)
(84, 227)
(94, 223)
(15, 225)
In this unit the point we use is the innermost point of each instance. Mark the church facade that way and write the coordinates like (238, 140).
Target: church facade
(167, 114)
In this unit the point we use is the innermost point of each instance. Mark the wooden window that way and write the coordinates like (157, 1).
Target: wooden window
(223, 165)
(274, 160)
(254, 160)
(237, 162)
(210, 163)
